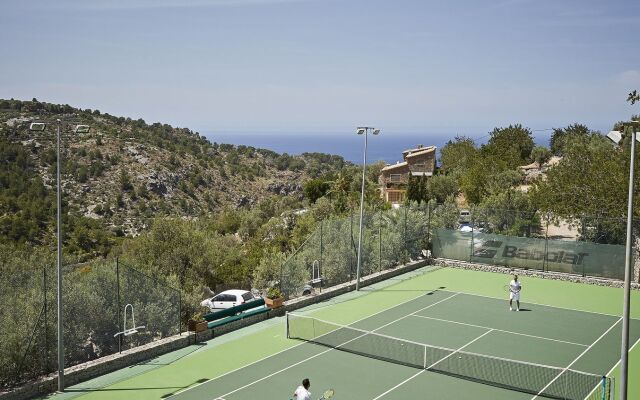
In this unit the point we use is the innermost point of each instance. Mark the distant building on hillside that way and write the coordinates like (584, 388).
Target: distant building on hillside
(394, 178)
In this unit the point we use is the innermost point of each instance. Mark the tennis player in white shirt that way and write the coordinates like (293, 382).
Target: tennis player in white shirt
(514, 293)
(302, 392)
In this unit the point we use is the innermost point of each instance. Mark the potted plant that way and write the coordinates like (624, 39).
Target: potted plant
(197, 324)
(274, 298)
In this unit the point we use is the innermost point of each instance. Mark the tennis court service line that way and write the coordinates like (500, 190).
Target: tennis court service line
(540, 304)
(576, 359)
(333, 348)
(434, 364)
(502, 330)
(300, 344)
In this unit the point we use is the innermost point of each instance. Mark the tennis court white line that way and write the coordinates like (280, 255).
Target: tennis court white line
(300, 344)
(502, 330)
(333, 348)
(576, 359)
(614, 367)
(432, 365)
(536, 304)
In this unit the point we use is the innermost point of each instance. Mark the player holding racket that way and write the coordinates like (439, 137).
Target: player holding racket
(514, 293)
(302, 392)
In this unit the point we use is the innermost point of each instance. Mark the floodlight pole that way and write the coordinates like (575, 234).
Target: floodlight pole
(362, 130)
(624, 357)
(40, 126)
(59, 264)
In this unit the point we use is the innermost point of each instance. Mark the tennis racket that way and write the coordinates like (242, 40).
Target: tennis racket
(328, 394)
(507, 288)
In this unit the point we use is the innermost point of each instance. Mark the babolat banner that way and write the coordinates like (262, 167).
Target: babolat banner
(582, 258)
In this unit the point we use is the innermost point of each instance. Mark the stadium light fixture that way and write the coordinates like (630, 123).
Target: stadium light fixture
(362, 130)
(82, 129)
(615, 136)
(37, 126)
(40, 127)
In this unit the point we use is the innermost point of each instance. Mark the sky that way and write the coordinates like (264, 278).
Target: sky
(306, 66)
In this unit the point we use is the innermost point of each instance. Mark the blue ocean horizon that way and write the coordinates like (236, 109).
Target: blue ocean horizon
(385, 147)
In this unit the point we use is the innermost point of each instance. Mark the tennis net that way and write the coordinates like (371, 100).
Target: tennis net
(545, 381)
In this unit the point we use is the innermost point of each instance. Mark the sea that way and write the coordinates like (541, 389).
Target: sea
(385, 147)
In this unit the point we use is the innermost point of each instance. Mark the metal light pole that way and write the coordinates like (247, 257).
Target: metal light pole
(59, 264)
(40, 126)
(362, 130)
(624, 351)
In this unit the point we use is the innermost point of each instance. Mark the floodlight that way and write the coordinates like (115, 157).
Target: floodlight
(37, 126)
(82, 129)
(376, 131)
(615, 136)
(361, 131)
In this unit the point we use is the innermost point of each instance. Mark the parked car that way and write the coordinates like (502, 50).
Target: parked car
(227, 299)
(470, 228)
(466, 228)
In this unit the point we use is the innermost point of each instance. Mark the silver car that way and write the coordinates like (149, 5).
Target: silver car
(227, 299)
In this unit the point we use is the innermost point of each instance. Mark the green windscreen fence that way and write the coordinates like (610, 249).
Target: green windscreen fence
(574, 257)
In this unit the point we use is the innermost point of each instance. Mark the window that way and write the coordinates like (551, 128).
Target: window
(395, 177)
(247, 296)
(225, 297)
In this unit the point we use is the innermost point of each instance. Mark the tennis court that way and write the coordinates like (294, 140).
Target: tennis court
(458, 310)
(475, 349)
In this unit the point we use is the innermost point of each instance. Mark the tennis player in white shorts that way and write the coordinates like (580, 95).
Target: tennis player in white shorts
(514, 293)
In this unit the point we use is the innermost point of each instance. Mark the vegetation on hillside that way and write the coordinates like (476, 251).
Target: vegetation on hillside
(125, 173)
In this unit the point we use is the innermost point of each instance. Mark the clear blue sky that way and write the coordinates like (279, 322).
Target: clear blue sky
(328, 65)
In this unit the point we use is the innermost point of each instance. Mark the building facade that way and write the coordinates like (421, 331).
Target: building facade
(394, 178)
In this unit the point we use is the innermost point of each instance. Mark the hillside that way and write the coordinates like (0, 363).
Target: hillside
(125, 172)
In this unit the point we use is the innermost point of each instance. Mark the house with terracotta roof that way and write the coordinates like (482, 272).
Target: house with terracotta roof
(394, 178)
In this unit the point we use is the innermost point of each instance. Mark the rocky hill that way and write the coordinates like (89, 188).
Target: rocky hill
(124, 172)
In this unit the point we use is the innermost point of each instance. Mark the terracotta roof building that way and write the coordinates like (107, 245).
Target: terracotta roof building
(394, 178)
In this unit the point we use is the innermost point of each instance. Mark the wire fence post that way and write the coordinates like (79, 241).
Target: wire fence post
(380, 241)
(118, 304)
(404, 236)
(180, 312)
(473, 229)
(545, 266)
(46, 320)
(428, 224)
(321, 253)
(352, 246)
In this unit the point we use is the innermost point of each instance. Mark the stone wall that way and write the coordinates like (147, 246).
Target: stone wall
(107, 364)
(533, 273)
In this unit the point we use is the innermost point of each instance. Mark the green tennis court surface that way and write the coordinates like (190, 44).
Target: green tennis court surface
(464, 312)
(542, 335)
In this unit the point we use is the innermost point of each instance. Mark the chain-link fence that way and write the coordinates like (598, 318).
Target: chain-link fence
(25, 343)
(329, 256)
(587, 246)
(95, 299)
